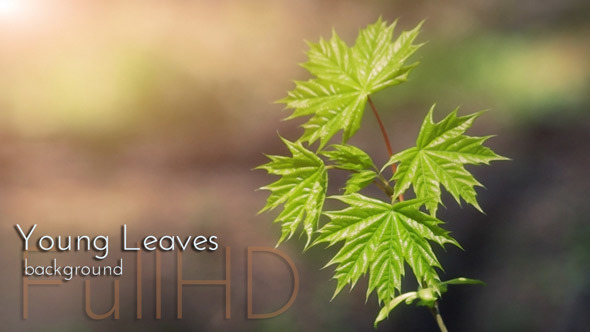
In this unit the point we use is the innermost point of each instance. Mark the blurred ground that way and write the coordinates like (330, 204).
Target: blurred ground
(154, 113)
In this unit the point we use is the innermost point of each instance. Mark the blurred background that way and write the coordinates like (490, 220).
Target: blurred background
(153, 113)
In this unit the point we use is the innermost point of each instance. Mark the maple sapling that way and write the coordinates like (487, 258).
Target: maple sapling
(379, 237)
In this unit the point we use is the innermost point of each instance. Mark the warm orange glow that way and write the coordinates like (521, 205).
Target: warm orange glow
(13, 8)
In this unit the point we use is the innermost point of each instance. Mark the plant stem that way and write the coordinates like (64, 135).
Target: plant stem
(388, 189)
(436, 314)
(384, 188)
(385, 137)
(383, 131)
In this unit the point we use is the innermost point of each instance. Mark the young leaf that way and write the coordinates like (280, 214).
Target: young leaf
(351, 158)
(346, 76)
(439, 157)
(426, 296)
(384, 312)
(459, 281)
(379, 237)
(301, 189)
(357, 181)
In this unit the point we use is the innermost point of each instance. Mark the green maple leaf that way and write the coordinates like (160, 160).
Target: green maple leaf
(439, 157)
(346, 76)
(379, 238)
(301, 189)
(353, 159)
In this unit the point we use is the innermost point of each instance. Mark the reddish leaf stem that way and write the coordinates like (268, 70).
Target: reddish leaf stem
(383, 131)
(385, 137)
